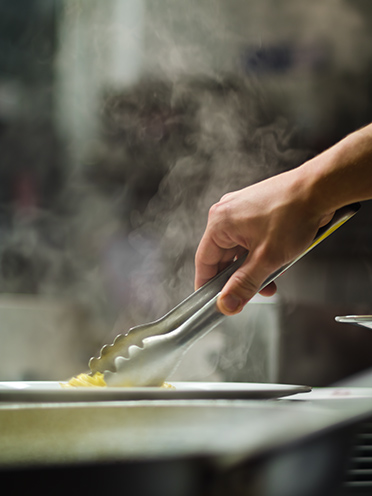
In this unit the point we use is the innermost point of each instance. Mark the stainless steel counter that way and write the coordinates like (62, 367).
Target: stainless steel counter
(220, 434)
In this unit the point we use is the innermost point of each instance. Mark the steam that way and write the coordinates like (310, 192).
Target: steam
(234, 144)
(207, 37)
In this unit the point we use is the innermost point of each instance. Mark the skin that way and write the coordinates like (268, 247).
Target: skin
(276, 219)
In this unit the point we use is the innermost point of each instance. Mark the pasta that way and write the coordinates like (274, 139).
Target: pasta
(95, 380)
(86, 380)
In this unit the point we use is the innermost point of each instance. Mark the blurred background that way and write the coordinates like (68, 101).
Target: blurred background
(121, 123)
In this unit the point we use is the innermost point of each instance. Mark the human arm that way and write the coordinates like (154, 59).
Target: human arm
(276, 219)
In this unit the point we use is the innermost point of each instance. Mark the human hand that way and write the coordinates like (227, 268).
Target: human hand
(274, 221)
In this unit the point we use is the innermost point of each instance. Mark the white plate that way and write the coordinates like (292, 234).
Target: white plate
(48, 391)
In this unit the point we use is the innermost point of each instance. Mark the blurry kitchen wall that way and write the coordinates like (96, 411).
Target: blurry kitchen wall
(294, 48)
(122, 121)
(100, 47)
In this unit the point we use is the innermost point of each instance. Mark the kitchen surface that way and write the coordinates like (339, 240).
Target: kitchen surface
(121, 123)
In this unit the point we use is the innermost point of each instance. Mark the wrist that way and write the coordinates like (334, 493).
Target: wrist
(310, 185)
(318, 177)
(340, 175)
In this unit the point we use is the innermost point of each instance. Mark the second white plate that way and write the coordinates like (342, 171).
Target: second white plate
(362, 320)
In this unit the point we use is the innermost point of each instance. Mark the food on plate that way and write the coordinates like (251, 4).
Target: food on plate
(95, 380)
(86, 380)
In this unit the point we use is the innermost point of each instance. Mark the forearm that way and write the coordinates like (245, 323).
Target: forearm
(342, 174)
(275, 220)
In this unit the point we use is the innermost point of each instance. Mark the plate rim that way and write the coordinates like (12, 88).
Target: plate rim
(220, 390)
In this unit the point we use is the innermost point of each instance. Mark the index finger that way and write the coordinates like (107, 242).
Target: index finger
(210, 259)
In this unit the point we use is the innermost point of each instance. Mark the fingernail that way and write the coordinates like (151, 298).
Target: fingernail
(231, 303)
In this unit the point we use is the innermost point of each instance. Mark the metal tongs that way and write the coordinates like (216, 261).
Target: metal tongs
(147, 354)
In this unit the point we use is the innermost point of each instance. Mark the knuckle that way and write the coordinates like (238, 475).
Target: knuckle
(226, 196)
(246, 285)
(197, 257)
(213, 210)
(218, 212)
(270, 259)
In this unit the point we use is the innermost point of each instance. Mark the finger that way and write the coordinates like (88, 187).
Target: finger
(326, 219)
(242, 286)
(210, 259)
(231, 256)
(206, 271)
(269, 290)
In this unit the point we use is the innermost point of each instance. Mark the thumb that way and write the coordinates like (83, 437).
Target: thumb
(241, 287)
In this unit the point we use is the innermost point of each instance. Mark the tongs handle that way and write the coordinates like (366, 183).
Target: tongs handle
(339, 218)
(197, 300)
